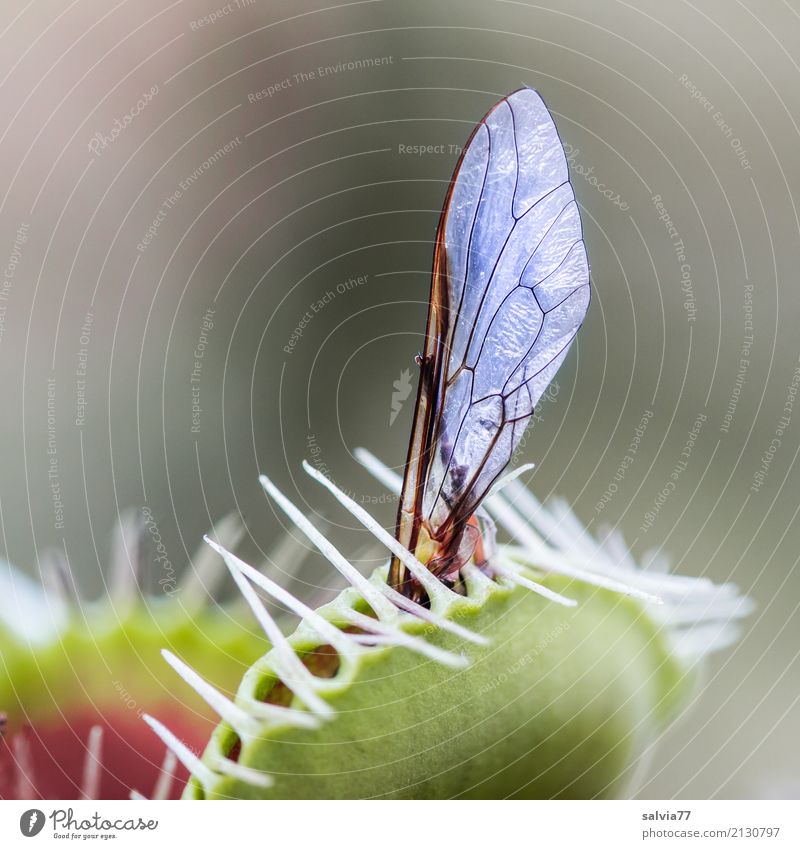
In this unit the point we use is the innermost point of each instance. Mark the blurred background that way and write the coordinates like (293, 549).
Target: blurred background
(216, 235)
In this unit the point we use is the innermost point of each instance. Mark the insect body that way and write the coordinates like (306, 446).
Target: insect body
(509, 290)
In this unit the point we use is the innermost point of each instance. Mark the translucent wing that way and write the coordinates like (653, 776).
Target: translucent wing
(510, 290)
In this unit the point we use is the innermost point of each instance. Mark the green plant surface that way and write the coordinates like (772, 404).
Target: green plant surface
(560, 704)
(107, 661)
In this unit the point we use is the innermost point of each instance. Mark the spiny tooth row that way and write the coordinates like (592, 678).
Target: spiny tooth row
(540, 553)
(382, 607)
(494, 507)
(432, 586)
(506, 514)
(284, 658)
(555, 540)
(388, 605)
(687, 599)
(518, 515)
(382, 598)
(390, 635)
(246, 720)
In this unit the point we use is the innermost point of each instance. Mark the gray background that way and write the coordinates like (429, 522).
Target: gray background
(318, 191)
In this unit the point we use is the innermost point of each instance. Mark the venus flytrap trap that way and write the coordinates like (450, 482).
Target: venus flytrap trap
(77, 675)
(491, 691)
(464, 668)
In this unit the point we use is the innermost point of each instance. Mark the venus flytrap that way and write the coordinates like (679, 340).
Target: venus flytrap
(552, 700)
(541, 667)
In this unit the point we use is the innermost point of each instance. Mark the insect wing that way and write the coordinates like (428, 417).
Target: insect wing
(517, 290)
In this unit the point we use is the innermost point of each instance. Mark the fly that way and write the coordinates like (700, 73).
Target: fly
(509, 291)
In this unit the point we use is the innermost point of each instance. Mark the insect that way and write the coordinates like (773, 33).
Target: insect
(509, 291)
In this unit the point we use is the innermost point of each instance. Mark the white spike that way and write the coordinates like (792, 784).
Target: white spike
(25, 785)
(500, 510)
(609, 556)
(204, 576)
(488, 529)
(341, 642)
(59, 583)
(136, 796)
(530, 508)
(280, 715)
(532, 585)
(508, 477)
(432, 585)
(285, 661)
(371, 595)
(433, 618)
(243, 773)
(184, 754)
(163, 785)
(555, 564)
(541, 555)
(92, 764)
(290, 553)
(609, 562)
(380, 471)
(477, 577)
(689, 611)
(655, 561)
(572, 532)
(612, 543)
(124, 568)
(233, 715)
(398, 637)
(696, 642)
